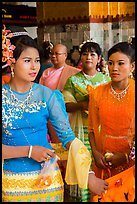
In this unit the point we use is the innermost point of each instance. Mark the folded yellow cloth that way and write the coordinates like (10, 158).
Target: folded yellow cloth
(78, 164)
(60, 151)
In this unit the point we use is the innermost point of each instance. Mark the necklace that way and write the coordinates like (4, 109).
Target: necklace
(120, 95)
(20, 103)
(89, 77)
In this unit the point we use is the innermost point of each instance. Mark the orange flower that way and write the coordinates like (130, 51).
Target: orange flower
(44, 181)
(7, 48)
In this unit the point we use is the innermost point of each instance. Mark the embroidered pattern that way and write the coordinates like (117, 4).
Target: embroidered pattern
(15, 111)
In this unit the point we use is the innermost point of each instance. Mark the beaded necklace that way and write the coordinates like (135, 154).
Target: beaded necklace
(20, 103)
(120, 95)
(89, 77)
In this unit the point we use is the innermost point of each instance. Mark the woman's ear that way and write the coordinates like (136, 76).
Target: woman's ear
(99, 59)
(132, 66)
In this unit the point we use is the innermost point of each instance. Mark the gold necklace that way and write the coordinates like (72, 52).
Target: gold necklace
(120, 95)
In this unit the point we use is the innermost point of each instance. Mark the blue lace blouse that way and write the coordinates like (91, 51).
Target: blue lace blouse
(25, 123)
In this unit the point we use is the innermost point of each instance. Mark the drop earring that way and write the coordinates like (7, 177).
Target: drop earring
(131, 75)
(12, 72)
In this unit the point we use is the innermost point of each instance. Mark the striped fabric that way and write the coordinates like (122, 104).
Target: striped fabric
(13, 185)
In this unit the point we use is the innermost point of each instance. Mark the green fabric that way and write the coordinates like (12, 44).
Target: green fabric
(76, 85)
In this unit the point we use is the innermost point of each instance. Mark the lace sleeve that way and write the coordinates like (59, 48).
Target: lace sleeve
(59, 117)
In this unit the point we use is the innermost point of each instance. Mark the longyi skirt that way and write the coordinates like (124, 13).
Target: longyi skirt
(22, 187)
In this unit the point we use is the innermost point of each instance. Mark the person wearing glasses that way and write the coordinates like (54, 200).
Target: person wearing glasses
(55, 78)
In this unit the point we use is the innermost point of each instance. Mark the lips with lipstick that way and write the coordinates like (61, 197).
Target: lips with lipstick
(33, 74)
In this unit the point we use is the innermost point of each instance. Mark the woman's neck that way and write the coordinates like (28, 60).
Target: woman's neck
(89, 72)
(119, 85)
(20, 87)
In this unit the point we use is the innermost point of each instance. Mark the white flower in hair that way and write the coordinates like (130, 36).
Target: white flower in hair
(129, 40)
(80, 46)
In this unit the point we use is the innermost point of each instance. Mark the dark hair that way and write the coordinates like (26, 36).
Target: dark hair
(46, 46)
(91, 47)
(125, 48)
(21, 42)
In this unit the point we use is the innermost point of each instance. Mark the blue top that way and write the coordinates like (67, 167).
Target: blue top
(25, 123)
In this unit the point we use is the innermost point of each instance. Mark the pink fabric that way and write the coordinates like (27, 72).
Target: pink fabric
(56, 78)
(50, 77)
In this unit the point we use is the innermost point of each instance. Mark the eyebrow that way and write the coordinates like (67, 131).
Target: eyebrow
(117, 61)
(30, 58)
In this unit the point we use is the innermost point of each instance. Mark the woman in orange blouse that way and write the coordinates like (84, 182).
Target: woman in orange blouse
(112, 114)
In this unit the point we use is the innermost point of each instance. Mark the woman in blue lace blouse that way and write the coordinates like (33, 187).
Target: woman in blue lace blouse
(26, 108)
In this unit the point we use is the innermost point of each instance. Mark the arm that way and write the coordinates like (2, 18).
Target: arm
(99, 158)
(38, 153)
(94, 122)
(59, 118)
(80, 105)
(96, 185)
(119, 158)
(9, 152)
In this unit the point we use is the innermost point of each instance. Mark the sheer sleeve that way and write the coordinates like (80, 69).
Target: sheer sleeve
(59, 117)
(93, 115)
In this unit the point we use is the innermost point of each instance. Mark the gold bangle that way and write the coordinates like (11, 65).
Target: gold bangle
(126, 155)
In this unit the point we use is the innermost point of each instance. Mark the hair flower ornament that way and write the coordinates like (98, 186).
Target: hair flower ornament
(80, 46)
(7, 48)
(129, 40)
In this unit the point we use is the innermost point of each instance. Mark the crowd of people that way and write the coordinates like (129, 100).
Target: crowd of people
(91, 113)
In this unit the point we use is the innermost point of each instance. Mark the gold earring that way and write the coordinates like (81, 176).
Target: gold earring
(131, 75)
(12, 72)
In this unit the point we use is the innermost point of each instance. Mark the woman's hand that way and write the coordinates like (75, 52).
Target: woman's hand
(100, 160)
(41, 154)
(116, 159)
(96, 185)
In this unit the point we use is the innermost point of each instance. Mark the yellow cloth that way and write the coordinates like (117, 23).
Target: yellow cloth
(75, 118)
(78, 164)
(60, 151)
